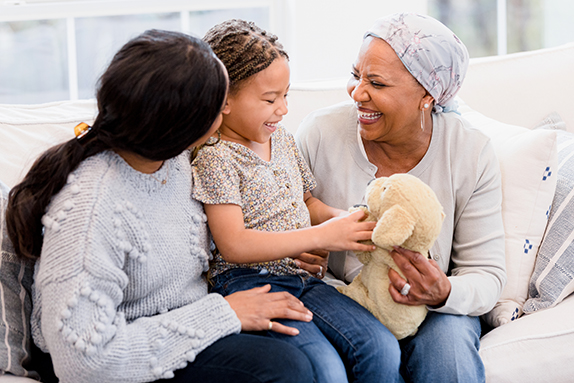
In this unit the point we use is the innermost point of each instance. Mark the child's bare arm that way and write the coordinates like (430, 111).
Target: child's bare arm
(319, 211)
(240, 245)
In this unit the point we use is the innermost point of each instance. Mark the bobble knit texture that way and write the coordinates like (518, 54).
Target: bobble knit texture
(120, 294)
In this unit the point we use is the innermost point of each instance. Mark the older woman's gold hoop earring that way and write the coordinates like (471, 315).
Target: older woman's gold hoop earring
(425, 106)
(422, 120)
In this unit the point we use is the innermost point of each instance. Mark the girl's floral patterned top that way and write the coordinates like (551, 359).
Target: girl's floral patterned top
(270, 194)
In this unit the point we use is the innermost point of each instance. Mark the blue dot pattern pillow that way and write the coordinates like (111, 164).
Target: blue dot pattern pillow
(553, 277)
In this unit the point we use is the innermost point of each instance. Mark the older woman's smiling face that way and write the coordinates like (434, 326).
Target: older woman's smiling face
(388, 98)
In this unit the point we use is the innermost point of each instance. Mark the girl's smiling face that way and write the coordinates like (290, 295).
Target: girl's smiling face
(254, 111)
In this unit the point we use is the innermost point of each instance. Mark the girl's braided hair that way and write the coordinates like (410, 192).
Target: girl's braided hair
(244, 48)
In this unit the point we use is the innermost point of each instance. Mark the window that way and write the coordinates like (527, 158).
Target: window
(33, 64)
(490, 27)
(62, 56)
(54, 50)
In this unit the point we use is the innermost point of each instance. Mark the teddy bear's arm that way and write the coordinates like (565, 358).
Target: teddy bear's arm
(393, 228)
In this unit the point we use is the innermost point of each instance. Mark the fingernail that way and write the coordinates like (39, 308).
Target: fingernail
(298, 263)
(295, 332)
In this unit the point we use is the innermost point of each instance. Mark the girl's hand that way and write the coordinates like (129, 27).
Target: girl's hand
(315, 262)
(256, 307)
(429, 284)
(345, 232)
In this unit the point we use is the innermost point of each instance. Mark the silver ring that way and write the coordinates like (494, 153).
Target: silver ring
(270, 326)
(405, 290)
(320, 273)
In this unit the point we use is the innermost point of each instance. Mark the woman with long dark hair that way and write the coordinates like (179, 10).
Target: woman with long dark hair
(121, 246)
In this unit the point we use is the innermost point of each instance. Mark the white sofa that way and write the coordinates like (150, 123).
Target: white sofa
(518, 89)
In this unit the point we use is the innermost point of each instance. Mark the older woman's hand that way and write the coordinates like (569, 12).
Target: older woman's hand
(256, 308)
(429, 284)
(315, 262)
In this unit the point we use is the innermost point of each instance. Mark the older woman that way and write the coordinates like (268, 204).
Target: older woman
(403, 120)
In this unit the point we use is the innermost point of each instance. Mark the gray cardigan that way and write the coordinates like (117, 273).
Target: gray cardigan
(462, 169)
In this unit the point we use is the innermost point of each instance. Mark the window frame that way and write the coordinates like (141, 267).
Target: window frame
(20, 10)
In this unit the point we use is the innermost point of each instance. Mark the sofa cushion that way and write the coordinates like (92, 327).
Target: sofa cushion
(535, 348)
(528, 160)
(553, 277)
(28, 130)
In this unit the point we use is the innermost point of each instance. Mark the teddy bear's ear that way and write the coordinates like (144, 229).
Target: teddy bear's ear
(393, 228)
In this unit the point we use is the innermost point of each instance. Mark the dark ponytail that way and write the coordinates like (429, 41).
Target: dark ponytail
(28, 200)
(160, 94)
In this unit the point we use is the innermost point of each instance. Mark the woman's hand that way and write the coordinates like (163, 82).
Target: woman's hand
(315, 262)
(345, 232)
(256, 307)
(429, 285)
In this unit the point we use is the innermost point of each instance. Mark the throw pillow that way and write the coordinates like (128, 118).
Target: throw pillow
(528, 161)
(28, 130)
(553, 277)
(15, 304)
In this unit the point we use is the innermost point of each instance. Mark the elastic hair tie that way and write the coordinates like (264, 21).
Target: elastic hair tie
(81, 131)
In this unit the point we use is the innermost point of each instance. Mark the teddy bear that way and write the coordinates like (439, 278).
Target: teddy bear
(409, 215)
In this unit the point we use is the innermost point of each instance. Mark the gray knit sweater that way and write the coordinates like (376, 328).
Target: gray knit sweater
(119, 292)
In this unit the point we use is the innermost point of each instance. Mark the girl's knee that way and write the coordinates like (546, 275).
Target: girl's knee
(299, 368)
(384, 347)
(287, 363)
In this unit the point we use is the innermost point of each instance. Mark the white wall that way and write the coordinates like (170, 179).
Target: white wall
(323, 36)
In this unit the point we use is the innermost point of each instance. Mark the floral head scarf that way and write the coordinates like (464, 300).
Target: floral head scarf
(430, 51)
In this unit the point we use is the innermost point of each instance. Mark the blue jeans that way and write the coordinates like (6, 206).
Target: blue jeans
(444, 349)
(344, 340)
(245, 358)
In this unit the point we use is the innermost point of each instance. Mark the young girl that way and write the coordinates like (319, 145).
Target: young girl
(256, 191)
(119, 292)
